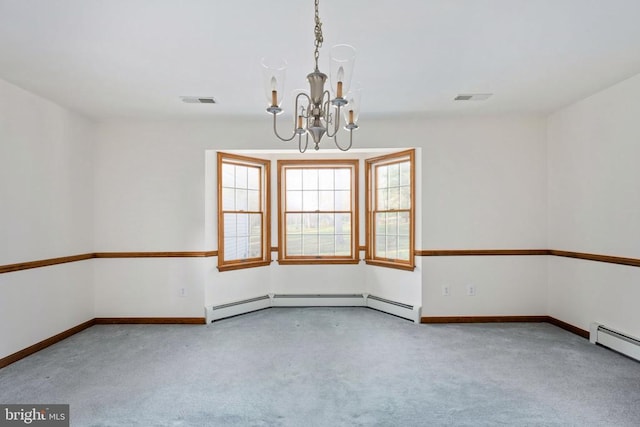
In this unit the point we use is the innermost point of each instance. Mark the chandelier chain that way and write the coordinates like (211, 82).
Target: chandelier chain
(318, 33)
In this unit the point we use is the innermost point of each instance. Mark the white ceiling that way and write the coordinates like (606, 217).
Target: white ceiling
(135, 58)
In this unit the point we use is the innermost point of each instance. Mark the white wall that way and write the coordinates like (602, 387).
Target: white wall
(482, 185)
(156, 191)
(483, 178)
(505, 286)
(594, 207)
(149, 287)
(46, 185)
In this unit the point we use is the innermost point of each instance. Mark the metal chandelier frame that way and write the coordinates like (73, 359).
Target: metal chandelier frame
(315, 115)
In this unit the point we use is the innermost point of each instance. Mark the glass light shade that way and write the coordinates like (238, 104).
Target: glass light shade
(353, 98)
(273, 75)
(343, 57)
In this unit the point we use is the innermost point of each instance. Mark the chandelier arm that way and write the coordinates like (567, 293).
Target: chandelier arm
(275, 131)
(304, 95)
(336, 126)
(336, 122)
(327, 112)
(335, 140)
(306, 143)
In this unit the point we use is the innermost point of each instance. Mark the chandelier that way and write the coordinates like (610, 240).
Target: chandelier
(317, 114)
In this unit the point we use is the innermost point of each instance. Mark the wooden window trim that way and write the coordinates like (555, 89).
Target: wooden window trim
(312, 260)
(265, 200)
(319, 164)
(370, 187)
(239, 266)
(391, 264)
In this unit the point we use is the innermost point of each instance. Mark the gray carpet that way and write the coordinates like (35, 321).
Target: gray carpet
(329, 367)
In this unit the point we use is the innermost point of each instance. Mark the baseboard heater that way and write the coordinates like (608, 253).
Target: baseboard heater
(615, 340)
(235, 308)
(392, 307)
(317, 300)
(406, 311)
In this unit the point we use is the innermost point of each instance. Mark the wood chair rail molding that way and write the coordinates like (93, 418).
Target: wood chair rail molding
(633, 262)
(185, 254)
(481, 252)
(43, 263)
(8, 268)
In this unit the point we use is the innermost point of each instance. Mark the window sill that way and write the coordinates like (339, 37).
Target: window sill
(312, 261)
(406, 267)
(239, 266)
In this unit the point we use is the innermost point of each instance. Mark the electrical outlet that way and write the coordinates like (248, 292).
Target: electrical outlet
(182, 292)
(471, 290)
(446, 291)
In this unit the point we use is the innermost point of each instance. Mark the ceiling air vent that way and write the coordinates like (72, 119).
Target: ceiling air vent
(473, 97)
(198, 99)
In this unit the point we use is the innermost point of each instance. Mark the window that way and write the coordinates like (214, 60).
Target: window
(243, 212)
(318, 213)
(390, 210)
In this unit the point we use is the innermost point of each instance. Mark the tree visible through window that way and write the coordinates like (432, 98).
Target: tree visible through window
(318, 221)
(243, 222)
